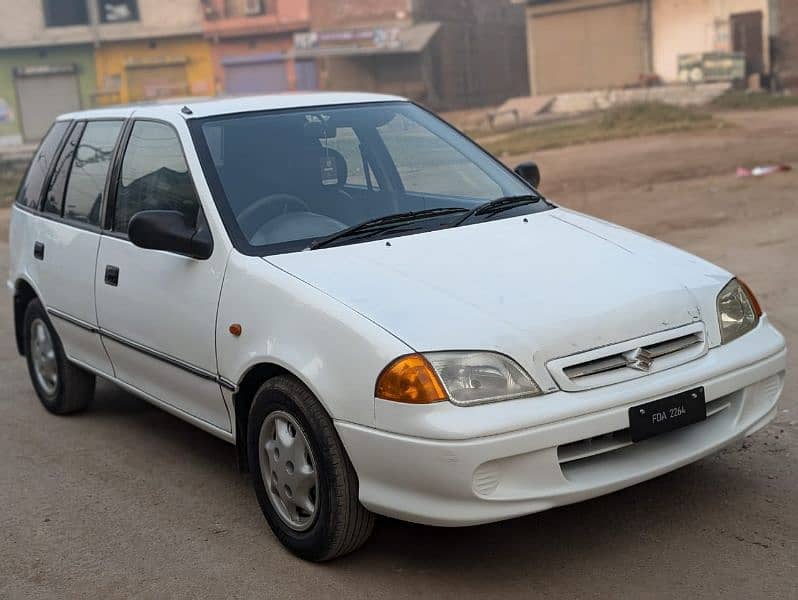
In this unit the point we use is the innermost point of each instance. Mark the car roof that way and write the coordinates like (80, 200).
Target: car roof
(209, 107)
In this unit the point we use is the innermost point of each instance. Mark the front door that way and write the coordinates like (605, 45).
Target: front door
(157, 310)
(746, 29)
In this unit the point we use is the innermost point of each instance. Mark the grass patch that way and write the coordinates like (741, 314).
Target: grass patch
(10, 176)
(633, 120)
(741, 100)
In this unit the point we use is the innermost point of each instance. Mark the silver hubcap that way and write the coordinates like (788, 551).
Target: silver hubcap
(288, 470)
(45, 364)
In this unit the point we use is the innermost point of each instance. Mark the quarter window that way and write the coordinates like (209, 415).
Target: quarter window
(154, 176)
(84, 193)
(31, 191)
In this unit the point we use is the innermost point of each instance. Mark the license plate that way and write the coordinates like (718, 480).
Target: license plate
(667, 414)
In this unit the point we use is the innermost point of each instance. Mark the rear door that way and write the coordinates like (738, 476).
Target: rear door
(157, 310)
(69, 238)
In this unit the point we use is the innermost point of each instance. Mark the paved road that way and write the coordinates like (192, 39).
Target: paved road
(126, 500)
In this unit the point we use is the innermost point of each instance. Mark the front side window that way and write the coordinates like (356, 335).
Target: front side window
(154, 176)
(86, 182)
(30, 192)
(287, 179)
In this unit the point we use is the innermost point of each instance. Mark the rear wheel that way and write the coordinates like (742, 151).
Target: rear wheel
(62, 387)
(304, 481)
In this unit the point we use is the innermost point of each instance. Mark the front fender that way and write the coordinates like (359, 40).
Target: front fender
(336, 352)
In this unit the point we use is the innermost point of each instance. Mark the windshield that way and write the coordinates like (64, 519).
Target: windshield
(286, 179)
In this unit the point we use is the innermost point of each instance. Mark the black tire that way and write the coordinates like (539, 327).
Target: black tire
(342, 524)
(74, 387)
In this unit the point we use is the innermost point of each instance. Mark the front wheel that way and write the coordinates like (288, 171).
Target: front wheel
(62, 387)
(304, 481)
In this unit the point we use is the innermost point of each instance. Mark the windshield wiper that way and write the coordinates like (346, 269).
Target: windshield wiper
(383, 224)
(494, 207)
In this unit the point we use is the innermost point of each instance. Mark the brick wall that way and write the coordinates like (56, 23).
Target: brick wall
(338, 14)
(479, 56)
(785, 50)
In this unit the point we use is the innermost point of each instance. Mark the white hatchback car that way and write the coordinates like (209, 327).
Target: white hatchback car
(378, 314)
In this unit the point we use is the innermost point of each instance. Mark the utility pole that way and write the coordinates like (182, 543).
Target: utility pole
(94, 20)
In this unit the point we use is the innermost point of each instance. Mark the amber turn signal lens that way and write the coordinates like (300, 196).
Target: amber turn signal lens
(410, 379)
(754, 302)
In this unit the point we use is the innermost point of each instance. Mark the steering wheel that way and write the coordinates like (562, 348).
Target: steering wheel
(253, 217)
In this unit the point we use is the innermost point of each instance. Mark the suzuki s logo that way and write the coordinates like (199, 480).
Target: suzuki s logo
(639, 359)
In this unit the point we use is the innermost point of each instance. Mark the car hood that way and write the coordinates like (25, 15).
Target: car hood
(538, 287)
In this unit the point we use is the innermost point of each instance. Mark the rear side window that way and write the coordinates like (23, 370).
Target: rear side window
(86, 184)
(31, 191)
(154, 176)
(54, 197)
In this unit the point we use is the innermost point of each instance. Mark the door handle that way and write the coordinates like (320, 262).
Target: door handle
(112, 275)
(38, 251)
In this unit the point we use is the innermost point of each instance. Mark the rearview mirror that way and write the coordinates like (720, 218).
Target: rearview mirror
(167, 230)
(530, 172)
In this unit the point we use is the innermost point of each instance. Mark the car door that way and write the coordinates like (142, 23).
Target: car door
(69, 236)
(157, 310)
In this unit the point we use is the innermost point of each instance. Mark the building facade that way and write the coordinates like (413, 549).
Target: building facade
(150, 49)
(444, 53)
(251, 43)
(577, 45)
(46, 67)
(63, 55)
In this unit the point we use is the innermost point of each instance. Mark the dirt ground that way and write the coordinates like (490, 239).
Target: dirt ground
(127, 501)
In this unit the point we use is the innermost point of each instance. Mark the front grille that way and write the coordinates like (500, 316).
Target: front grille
(608, 365)
(592, 447)
(623, 360)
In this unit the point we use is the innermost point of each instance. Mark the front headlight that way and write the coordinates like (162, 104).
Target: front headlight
(738, 311)
(478, 377)
(465, 378)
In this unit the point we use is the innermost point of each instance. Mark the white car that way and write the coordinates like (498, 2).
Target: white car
(379, 315)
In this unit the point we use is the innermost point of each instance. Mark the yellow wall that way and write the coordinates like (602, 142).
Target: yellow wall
(693, 26)
(111, 59)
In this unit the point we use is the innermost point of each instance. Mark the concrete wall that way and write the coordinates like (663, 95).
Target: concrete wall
(82, 56)
(692, 26)
(22, 24)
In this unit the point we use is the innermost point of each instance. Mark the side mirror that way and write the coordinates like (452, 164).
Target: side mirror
(167, 230)
(530, 172)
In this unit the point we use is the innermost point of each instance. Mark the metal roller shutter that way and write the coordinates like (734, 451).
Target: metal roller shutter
(43, 93)
(586, 48)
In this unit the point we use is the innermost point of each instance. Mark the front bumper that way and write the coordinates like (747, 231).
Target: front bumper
(493, 476)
